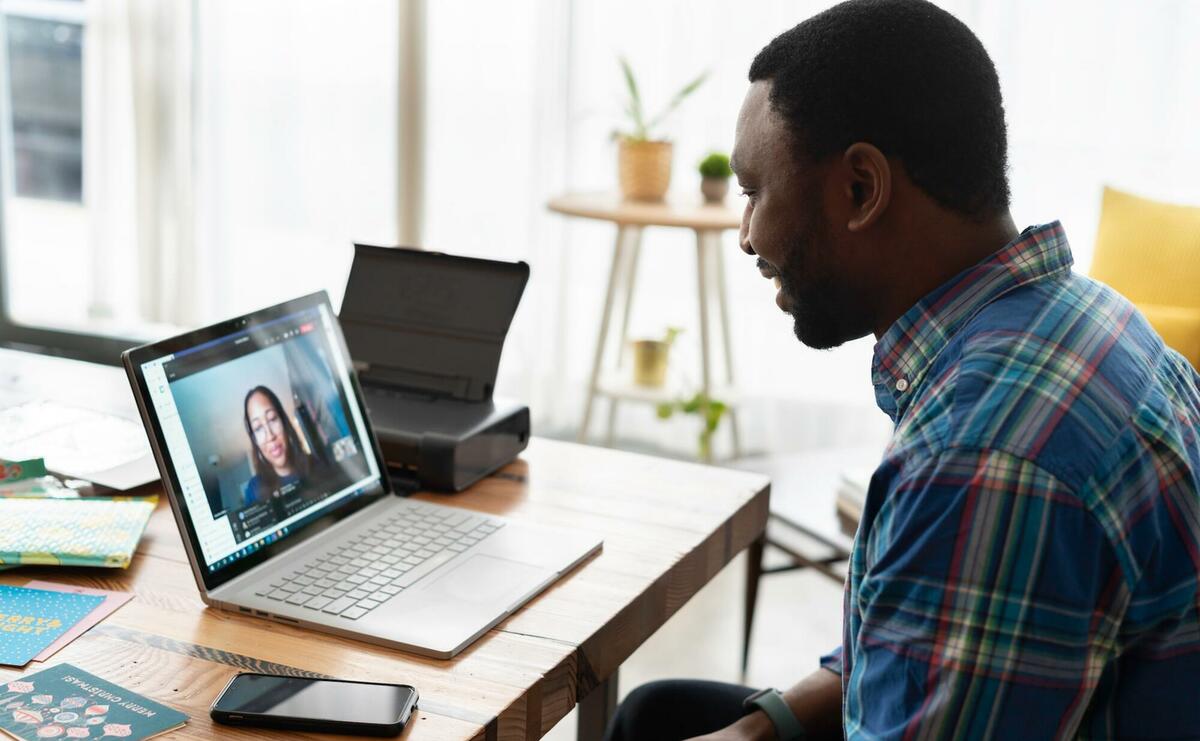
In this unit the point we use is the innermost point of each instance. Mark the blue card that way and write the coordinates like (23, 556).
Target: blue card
(31, 619)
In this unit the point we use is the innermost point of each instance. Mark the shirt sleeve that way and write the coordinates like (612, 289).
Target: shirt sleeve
(833, 661)
(989, 606)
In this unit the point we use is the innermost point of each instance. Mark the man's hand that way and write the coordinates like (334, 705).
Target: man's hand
(816, 702)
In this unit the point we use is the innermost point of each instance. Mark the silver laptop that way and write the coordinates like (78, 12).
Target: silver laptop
(284, 503)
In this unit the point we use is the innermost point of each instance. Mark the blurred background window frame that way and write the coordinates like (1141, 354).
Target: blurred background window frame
(20, 138)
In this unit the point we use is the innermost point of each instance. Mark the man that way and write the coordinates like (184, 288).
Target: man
(1027, 562)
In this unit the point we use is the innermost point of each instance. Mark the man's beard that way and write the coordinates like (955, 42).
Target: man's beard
(814, 319)
(819, 303)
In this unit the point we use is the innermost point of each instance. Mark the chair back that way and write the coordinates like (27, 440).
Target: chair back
(1150, 252)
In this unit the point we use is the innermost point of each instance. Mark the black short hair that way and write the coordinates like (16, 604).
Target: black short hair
(905, 76)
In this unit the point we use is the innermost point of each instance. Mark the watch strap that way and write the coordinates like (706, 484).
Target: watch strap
(771, 702)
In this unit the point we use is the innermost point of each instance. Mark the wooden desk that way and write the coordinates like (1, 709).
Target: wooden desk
(668, 528)
(707, 221)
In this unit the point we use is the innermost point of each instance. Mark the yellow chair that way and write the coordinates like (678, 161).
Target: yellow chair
(1150, 252)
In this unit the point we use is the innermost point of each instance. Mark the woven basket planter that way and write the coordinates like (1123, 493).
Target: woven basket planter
(644, 169)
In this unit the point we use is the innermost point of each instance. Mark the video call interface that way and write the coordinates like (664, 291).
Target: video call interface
(262, 432)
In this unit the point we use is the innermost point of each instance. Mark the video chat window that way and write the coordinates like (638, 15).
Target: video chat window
(268, 424)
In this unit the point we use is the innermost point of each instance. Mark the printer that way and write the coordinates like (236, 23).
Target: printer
(425, 331)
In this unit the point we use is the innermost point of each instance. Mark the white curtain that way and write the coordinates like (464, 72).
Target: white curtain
(161, 53)
(296, 141)
(139, 150)
(235, 152)
(1095, 93)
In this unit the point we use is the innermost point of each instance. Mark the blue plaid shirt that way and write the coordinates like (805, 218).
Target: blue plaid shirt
(1028, 559)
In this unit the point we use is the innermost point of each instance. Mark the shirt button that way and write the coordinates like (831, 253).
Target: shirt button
(902, 385)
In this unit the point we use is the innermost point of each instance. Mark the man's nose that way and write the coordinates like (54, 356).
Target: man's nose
(744, 232)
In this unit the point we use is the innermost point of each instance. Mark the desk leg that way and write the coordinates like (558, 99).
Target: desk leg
(614, 275)
(597, 710)
(754, 571)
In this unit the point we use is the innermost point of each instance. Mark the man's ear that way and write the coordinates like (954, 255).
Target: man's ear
(869, 186)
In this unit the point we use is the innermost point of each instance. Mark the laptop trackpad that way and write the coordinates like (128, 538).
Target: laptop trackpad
(487, 579)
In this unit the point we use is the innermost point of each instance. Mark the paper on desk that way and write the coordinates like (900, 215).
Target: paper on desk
(109, 449)
(112, 601)
(44, 487)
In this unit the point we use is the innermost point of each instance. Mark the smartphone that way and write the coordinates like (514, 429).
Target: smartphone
(319, 705)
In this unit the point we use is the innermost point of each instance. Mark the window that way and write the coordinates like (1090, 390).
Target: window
(170, 164)
(45, 63)
(42, 158)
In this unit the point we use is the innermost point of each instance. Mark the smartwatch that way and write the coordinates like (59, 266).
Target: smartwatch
(771, 702)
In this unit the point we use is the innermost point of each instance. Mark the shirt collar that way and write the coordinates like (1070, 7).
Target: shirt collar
(909, 347)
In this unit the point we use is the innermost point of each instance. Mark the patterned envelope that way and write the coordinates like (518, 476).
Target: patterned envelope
(72, 532)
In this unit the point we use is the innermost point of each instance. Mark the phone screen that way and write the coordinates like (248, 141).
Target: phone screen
(316, 699)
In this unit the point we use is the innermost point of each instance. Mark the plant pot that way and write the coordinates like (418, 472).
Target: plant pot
(714, 189)
(650, 362)
(644, 169)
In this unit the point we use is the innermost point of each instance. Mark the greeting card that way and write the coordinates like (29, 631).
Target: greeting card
(32, 619)
(66, 702)
(112, 601)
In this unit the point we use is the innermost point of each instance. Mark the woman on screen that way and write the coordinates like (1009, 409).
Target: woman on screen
(279, 460)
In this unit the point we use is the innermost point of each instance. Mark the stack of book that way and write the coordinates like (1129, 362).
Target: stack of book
(851, 497)
(44, 523)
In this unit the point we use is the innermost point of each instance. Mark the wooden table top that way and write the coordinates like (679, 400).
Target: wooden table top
(691, 213)
(668, 528)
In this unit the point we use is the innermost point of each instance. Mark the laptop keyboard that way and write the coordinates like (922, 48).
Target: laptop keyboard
(381, 561)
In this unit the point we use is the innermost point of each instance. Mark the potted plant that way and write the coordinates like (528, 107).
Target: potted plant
(714, 177)
(708, 409)
(643, 161)
(650, 359)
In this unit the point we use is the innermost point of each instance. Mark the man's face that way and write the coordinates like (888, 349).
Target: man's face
(787, 226)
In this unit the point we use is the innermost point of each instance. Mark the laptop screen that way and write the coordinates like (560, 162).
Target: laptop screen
(263, 430)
